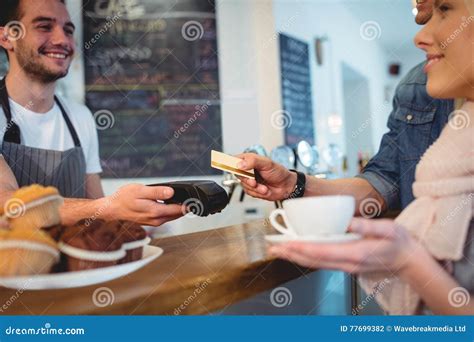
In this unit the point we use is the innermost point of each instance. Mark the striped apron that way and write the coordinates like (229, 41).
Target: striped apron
(65, 170)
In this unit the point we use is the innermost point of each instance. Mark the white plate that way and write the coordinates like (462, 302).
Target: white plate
(280, 238)
(80, 278)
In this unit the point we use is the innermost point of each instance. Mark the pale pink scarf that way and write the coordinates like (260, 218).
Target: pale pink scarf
(440, 215)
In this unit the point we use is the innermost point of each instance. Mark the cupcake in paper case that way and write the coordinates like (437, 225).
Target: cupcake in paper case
(4, 223)
(55, 231)
(26, 252)
(90, 246)
(33, 207)
(134, 238)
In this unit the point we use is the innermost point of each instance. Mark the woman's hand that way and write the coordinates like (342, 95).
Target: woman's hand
(385, 247)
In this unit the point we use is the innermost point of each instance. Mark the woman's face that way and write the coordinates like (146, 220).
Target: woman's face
(448, 40)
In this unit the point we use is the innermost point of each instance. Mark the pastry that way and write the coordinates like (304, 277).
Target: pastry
(26, 252)
(33, 207)
(134, 238)
(91, 246)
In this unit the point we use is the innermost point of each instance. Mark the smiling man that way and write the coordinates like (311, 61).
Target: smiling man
(52, 141)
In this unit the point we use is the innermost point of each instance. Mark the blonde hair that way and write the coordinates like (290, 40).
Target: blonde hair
(470, 6)
(458, 103)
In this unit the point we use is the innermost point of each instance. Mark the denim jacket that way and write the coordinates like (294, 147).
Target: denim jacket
(415, 123)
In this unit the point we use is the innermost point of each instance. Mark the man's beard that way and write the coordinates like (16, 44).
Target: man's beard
(28, 60)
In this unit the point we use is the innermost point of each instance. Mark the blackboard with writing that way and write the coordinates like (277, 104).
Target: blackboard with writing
(296, 90)
(152, 83)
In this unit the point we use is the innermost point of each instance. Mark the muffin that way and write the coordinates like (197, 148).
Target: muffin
(4, 223)
(26, 252)
(33, 207)
(92, 246)
(134, 238)
(55, 231)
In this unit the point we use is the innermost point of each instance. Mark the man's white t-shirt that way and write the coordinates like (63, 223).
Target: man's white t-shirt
(49, 130)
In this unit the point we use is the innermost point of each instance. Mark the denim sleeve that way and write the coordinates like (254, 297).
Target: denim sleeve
(383, 170)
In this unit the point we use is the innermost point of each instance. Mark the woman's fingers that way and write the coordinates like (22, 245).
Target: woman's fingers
(317, 252)
(354, 253)
(373, 228)
(296, 257)
(378, 251)
(307, 261)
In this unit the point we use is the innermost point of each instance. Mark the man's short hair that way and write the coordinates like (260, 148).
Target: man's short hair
(10, 11)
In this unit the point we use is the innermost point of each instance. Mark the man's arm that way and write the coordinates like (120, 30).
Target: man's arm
(133, 202)
(94, 186)
(72, 211)
(378, 183)
(383, 169)
(279, 183)
(8, 183)
(359, 188)
(76, 209)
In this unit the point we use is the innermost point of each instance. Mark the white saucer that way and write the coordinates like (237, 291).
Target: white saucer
(280, 238)
(80, 278)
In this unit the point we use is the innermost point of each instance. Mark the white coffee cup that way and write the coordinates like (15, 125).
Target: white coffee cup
(315, 216)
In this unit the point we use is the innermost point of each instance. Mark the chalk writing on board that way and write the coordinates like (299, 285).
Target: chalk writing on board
(296, 89)
(144, 70)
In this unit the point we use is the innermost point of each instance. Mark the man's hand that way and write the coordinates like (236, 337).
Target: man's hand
(138, 203)
(278, 182)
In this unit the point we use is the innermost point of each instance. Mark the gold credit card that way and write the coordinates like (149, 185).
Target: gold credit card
(228, 163)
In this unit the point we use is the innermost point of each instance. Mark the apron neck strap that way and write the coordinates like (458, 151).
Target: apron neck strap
(12, 132)
(69, 124)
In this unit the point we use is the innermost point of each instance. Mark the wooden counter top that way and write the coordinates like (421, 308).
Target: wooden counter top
(197, 274)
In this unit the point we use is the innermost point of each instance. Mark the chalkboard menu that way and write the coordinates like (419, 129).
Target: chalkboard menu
(296, 90)
(152, 83)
